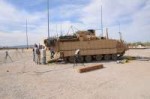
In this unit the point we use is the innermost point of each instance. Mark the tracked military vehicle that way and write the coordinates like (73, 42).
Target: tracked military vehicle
(91, 47)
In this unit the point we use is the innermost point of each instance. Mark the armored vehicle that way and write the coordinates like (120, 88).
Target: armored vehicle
(91, 47)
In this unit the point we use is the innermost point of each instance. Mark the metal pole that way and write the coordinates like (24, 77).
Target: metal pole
(101, 21)
(119, 26)
(120, 34)
(107, 33)
(27, 33)
(48, 16)
(61, 29)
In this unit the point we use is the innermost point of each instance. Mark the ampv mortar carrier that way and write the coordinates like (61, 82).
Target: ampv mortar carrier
(91, 47)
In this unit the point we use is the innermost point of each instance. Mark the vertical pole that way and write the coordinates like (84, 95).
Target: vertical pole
(120, 32)
(107, 33)
(27, 33)
(61, 29)
(48, 16)
(101, 21)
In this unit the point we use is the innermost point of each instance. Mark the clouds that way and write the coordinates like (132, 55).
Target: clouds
(12, 23)
(10, 15)
(138, 29)
(132, 15)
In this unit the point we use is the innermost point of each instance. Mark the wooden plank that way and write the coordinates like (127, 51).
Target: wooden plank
(90, 68)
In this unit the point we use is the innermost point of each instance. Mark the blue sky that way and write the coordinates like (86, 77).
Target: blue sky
(133, 17)
(40, 5)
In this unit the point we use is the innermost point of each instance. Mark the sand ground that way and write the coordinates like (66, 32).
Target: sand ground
(23, 79)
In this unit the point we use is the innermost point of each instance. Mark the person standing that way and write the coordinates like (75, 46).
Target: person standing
(7, 55)
(76, 57)
(43, 55)
(52, 52)
(34, 53)
(38, 55)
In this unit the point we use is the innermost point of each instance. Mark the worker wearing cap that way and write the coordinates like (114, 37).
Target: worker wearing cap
(77, 55)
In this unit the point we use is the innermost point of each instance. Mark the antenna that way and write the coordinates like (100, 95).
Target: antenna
(120, 34)
(72, 29)
(27, 33)
(61, 29)
(101, 20)
(107, 33)
(48, 15)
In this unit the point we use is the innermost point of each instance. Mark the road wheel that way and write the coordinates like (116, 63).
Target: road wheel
(107, 57)
(98, 57)
(88, 58)
(65, 59)
(114, 56)
(81, 59)
(71, 59)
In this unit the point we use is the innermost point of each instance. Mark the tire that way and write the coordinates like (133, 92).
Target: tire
(114, 56)
(71, 59)
(98, 57)
(81, 59)
(65, 59)
(107, 57)
(88, 58)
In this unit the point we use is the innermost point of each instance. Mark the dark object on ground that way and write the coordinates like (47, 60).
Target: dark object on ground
(90, 68)
(143, 58)
(55, 60)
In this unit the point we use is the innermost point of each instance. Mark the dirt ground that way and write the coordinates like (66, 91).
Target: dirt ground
(23, 79)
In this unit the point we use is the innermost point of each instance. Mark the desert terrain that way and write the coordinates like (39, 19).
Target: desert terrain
(24, 79)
